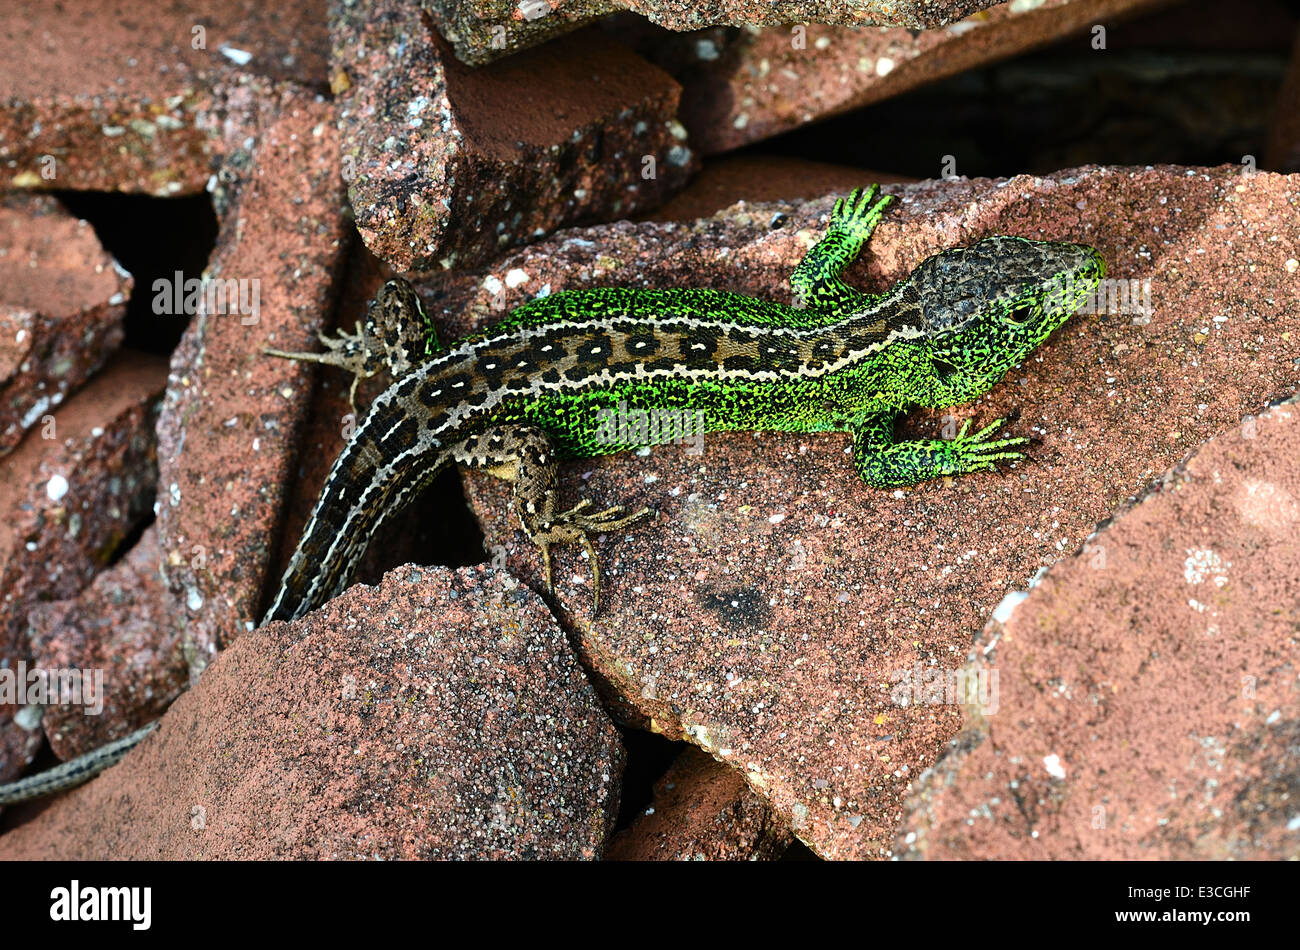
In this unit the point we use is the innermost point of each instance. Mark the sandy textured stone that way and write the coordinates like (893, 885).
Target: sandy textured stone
(124, 627)
(483, 30)
(62, 299)
(68, 501)
(109, 96)
(1142, 702)
(744, 86)
(230, 418)
(440, 715)
(448, 164)
(765, 612)
(702, 811)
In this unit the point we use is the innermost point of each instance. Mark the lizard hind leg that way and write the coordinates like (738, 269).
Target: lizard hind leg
(524, 456)
(396, 335)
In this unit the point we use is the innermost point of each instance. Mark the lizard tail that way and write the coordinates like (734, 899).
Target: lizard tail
(358, 495)
(72, 772)
(388, 461)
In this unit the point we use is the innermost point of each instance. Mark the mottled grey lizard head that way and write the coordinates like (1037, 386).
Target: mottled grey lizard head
(987, 306)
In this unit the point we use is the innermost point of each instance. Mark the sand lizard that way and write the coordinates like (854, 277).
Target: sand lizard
(520, 396)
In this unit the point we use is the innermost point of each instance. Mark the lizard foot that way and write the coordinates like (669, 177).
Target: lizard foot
(577, 526)
(858, 214)
(978, 453)
(352, 352)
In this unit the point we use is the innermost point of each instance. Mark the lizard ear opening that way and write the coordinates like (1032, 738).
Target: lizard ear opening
(942, 367)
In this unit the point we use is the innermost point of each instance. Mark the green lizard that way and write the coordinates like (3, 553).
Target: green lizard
(533, 389)
(518, 397)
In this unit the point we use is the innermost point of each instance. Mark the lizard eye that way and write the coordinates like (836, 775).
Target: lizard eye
(1020, 315)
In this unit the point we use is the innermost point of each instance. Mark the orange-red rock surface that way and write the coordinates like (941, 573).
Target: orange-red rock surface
(803, 631)
(439, 715)
(1145, 703)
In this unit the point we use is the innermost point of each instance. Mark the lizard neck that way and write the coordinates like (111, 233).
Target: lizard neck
(866, 330)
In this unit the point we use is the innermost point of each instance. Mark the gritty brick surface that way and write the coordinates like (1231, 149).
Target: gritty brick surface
(769, 610)
(231, 414)
(484, 30)
(123, 628)
(107, 95)
(62, 299)
(447, 164)
(1142, 703)
(71, 494)
(439, 715)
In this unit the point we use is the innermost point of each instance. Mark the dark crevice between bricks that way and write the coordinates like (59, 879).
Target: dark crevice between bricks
(438, 528)
(1161, 92)
(152, 238)
(648, 758)
(798, 851)
(129, 540)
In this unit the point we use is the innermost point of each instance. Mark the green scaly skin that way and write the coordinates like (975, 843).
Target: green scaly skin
(540, 386)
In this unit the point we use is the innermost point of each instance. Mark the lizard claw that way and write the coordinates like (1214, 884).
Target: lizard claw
(576, 526)
(858, 214)
(352, 352)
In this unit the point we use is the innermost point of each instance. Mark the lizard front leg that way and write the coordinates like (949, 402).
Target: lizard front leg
(397, 335)
(816, 282)
(524, 456)
(883, 462)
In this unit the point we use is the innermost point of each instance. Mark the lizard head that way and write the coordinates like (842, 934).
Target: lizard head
(987, 306)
